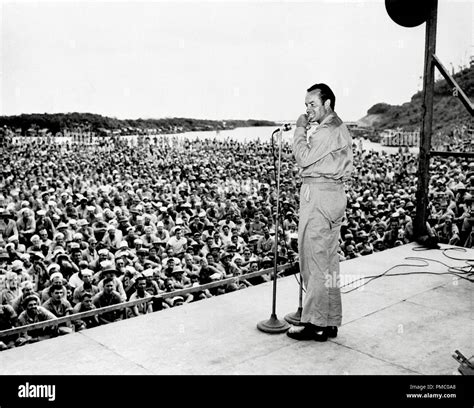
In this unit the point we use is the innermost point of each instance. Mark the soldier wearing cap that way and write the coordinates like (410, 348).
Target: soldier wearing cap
(55, 278)
(108, 297)
(58, 305)
(8, 320)
(85, 304)
(109, 271)
(148, 237)
(162, 233)
(112, 238)
(85, 229)
(182, 281)
(103, 255)
(90, 254)
(45, 242)
(35, 244)
(26, 225)
(140, 293)
(11, 290)
(447, 231)
(8, 227)
(44, 222)
(34, 313)
(86, 285)
(177, 242)
(266, 243)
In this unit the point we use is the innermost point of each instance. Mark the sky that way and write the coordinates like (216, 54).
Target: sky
(215, 60)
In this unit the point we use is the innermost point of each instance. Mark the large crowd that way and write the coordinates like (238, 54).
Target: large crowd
(84, 226)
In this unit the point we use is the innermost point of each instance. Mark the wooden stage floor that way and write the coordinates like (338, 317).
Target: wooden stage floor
(409, 324)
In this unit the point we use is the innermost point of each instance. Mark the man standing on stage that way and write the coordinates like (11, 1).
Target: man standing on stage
(322, 146)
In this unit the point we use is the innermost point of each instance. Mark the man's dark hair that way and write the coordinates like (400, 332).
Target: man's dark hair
(325, 93)
(140, 278)
(55, 287)
(108, 279)
(86, 295)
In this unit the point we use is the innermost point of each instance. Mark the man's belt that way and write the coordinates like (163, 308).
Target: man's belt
(316, 180)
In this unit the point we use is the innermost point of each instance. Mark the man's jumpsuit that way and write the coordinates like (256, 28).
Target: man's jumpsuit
(325, 160)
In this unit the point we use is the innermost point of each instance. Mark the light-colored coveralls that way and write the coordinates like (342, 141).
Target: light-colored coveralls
(325, 158)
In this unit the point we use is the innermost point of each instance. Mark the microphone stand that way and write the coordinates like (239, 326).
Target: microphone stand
(274, 325)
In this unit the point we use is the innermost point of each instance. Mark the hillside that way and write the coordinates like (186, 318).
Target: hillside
(448, 111)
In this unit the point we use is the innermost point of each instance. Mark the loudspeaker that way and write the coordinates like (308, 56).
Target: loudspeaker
(408, 13)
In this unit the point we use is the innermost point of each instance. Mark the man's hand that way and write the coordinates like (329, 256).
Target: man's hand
(302, 121)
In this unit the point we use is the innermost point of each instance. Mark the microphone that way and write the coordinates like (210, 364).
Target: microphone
(285, 128)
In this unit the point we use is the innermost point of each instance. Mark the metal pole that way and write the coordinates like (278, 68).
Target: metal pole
(295, 318)
(275, 261)
(426, 125)
(274, 325)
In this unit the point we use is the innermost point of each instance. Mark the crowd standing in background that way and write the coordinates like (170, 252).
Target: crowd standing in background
(84, 226)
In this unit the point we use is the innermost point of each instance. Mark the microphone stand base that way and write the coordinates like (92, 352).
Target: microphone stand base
(294, 318)
(273, 325)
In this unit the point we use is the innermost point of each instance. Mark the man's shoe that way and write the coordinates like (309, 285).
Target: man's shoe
(321, 335)
(307, 333)
(331, 331)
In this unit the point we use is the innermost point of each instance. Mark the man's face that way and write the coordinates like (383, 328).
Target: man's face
(169, 284)
(109, 287)
(32, 307)
(27, 290)
(87, 302)
(57, 294)
(315, 109)
(141, 284)
(13, 283)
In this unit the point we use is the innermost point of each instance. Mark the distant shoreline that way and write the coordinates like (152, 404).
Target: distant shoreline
(52, 124)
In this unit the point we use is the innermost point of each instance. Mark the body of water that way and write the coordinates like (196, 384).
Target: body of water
(264, 133)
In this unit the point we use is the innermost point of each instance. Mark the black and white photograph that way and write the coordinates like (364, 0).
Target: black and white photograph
(273, 192)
